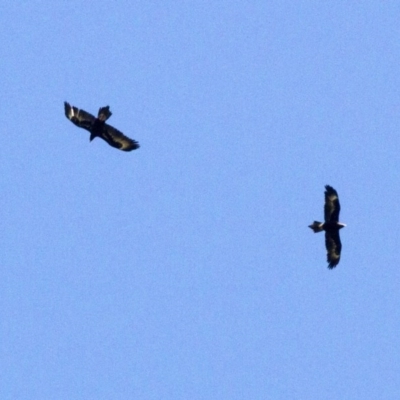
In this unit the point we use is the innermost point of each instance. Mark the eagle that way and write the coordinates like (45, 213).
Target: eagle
(98, 127)
(331, 226)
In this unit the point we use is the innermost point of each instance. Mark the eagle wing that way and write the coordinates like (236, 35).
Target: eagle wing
(79, 117)
(117, 139)
(332, 205)
(333, 247)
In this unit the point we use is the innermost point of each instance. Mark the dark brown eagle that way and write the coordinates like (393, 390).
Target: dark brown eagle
(98, 127)
(331, 226)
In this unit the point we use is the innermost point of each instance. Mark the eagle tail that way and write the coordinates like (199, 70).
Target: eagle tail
(104, 113)
(317, 226)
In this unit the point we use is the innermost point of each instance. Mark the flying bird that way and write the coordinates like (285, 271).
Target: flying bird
(98, 127)
(331, 226)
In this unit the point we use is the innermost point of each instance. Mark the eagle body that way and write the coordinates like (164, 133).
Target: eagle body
(98, 128)
(326, 226)
(331, 226)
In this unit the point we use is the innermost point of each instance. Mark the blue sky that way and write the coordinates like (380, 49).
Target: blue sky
(185, 269)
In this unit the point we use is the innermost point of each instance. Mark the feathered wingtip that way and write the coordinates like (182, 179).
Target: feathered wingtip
(316, 226)
(104, 113)
(69, 111)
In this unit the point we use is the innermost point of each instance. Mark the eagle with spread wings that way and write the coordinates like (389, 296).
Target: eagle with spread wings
(331, 226)
(98, 127)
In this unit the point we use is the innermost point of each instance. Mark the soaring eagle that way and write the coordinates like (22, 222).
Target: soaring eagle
(98, 127)
(331, 226)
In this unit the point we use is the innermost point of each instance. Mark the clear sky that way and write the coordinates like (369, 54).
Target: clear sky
(185, 269)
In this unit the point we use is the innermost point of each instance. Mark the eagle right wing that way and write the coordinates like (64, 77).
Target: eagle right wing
(79, 117)
(333, 248)
(117, 139)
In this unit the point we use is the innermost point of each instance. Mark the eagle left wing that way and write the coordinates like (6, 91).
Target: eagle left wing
(117, 139)
(79, 117)
(332, 205)
(333, 247)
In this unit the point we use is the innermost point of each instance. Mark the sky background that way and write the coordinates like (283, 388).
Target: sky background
(185, 269)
